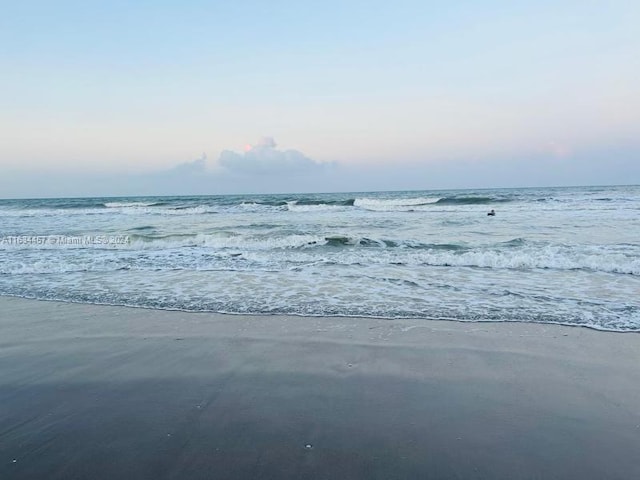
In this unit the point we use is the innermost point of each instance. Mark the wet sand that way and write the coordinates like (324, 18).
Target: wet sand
(102, 392)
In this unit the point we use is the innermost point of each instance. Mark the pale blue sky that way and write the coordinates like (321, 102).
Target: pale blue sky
(427, 92)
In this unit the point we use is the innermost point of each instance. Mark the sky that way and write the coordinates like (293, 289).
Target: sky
(211, 97)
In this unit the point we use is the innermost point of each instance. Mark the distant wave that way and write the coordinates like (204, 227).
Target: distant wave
(129, 204)
(410, 204)
(187, 206)
(113, 208)
(72, 204)
(301, 202)
(314, 207)
(395, 204)
(342, 203)
(464, 200)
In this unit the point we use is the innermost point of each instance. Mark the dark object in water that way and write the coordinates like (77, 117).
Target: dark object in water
(492, 213)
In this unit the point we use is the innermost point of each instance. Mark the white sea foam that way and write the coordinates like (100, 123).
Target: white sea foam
(249, 207)
(112, 210)
(394, 204)
(548, 258)
(226, 241)
(179, 211)
(322, 207)
(282, 251)
(128, 204)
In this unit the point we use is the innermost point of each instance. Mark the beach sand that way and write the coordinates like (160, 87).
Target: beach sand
(102, 392)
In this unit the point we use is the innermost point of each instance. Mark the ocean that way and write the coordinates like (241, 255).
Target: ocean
(549, 255)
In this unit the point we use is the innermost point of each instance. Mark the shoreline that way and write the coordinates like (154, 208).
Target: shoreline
(98, 391)
(300, 315)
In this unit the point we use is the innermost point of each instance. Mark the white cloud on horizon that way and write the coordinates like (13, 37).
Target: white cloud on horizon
(265, 158)
(269, 170)
(197, 166)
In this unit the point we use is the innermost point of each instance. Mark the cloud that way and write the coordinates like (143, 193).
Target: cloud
(266, 158)
(194, 167)
(265, 169)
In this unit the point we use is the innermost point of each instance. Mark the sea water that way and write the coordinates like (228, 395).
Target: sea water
(553, 255)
